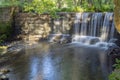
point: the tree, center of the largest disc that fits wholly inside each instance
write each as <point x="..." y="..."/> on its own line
<point x="117" y="14"/>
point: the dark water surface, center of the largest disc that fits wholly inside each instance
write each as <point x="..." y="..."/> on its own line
<point x="60" y="62"/>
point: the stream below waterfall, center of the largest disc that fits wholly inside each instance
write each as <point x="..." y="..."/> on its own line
<point x="48" y="61"/>
<point x="84" y="57"/>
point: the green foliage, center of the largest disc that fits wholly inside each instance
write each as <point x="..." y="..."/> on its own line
<point x="72" y="9"/>
<point x="5" y="31"/>
<point x="117" y="65"/>
<point x="40" y="6"/>
<point x="5" y="27"/>
<point x="78" y="9"/>
<point x="115" y="75"/>
<point x="107" y="7"/>
<point x="7" y="3"/>
<point x="3" y="37"/>
<point x="53" y="6"/>
<point x="98" y="5"/>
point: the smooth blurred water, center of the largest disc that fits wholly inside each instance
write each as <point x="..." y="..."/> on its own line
<point x="94" y="24"/>
<point x="47" y="61"/>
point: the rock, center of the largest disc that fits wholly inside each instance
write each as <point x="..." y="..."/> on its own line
<point x="60" y="38"/>
<point x="4" y="71"/>
<point x="112" y="40"/>
<point x="65" y="40"/>
<point x="114" y="50"/>
<point x="56" y="38"/>
<point x="3" y="77"/>
<point x="94" y="40"/>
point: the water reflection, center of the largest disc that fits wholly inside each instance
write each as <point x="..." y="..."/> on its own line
<point x="48" y="68"/>
<point x="60" y="62"/>
<point x="34" y="67"/>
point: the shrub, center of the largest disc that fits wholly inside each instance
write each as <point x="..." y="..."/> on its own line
<point x="115" y="75"/>
<point x="5" y="31"/>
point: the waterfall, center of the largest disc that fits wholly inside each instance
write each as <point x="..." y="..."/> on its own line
<point x="84" y="25"/>
<point x="88" y="28"/>
<point x="107" y="27"/>
<point x="77" y="23"/>
<point x="95" y="26"/>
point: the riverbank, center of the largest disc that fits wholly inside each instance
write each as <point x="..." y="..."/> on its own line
<point x="10" y="51"/>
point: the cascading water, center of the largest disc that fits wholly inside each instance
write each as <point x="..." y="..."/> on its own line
<point x="107" y="27"/>
<point x="77" y="23"/>
<point x="95" y="27"/>
<point x="84" y="18"/>
<point x="95" y="24"/>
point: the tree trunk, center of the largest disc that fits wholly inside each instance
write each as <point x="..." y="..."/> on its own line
<point x="117" y="14"/>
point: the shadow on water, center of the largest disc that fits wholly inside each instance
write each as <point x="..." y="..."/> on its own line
<point x="60" y="62"/>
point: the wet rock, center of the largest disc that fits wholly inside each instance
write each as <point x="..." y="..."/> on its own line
<point x="4" y="71"/>
<point x="16" y="46"/>
<point x="94" y="40"/>
<point x="112" y="40"/>
<point x="65" y="40"/>
<point x="3" y="77"/>
<point x="114" y="50"/>
<point x="56" y="38"/>
<point x="60" y="38"/>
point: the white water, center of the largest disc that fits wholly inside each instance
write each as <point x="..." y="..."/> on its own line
<point x="93" y="28"/>
<point x="107" y="27"/>
<point x="77" y="23"/>
<point x="96" y="24"/>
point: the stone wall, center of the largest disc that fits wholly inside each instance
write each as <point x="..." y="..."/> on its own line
<point x="34" y="27"/>
<point x="63" y="24"/>
<point x="5" y="23"/>
<point x="5" y="14"/>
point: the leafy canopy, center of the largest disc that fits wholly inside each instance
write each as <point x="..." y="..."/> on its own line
<point x="53" y="6"/>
